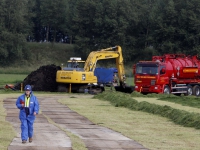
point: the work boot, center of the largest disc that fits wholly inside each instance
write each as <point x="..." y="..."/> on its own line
<point x="23" y="141"/>
<point x="30" y="140"/>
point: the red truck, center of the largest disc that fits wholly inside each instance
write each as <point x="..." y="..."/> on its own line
<point x="170" y="73"/>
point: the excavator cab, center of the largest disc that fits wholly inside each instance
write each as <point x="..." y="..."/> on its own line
<point x="75" y="63"/>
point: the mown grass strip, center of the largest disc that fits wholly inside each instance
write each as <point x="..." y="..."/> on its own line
<point x="138" y="94"/>
<point x="180" y="117"/>
<point x="191" y="101"/>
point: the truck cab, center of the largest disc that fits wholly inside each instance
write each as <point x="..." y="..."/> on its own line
<point x="150" y="77"/>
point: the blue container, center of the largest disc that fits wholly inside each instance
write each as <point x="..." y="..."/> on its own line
<point x="105" y="75"/>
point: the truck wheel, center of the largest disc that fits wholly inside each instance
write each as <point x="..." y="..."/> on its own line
<point x="166" y="90"/>
<point x="196" y="90"/>
<point x="189" y="90"/>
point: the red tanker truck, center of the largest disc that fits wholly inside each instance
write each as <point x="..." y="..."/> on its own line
<point x="170" y="73"/>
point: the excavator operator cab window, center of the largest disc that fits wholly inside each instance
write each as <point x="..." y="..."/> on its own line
<point x="69" y="65"/>
<point x="72" y="64"/>
<point x="76" y="65"/>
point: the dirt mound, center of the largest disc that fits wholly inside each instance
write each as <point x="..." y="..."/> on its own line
<point x="43" y="79"/>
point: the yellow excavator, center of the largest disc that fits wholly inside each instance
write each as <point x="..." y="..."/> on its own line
<point x="80" y="80"/>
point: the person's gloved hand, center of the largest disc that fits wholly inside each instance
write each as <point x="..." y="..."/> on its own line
<point x="22" y="103"/>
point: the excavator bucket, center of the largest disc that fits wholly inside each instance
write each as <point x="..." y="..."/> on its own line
<point x="125" y="89"/>
<point x="9" y="86"/>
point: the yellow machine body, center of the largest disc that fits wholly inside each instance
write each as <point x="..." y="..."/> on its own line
<point x="77" y="79"/>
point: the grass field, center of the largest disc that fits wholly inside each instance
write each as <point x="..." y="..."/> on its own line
<point x="148" y="128"/>
<point x="151" y="130"/>
<point x="11" y="79"/>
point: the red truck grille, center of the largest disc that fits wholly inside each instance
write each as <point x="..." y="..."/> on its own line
<point x="145" y="89"/>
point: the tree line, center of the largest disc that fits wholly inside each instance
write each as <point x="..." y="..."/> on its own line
<point x="142" y="27"/>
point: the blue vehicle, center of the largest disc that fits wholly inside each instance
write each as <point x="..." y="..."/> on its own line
<point x="106" y="76"/>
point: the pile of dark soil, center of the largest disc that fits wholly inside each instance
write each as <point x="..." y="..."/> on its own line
<point x="43" y="79"/>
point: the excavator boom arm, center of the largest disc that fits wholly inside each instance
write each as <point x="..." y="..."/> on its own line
<point x="108" y="53"/>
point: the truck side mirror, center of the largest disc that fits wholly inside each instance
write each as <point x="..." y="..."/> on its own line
<point x="163" y="71"/>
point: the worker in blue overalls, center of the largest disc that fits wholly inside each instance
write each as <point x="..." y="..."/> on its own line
<point x="29" y="107"/>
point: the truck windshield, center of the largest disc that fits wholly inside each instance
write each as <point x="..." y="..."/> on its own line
<point x="147" y="69"/>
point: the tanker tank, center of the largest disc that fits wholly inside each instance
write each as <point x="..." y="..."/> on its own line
<point x="181" y="67"/>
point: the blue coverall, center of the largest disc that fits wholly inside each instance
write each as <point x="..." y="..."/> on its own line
<point x="27" y="120"/>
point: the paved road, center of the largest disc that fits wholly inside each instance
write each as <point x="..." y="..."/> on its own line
<point x="47" y="136"/>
